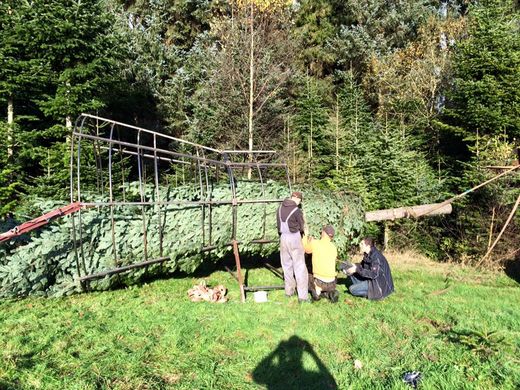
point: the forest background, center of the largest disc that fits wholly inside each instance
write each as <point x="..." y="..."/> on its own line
<point x="401" y="102"/>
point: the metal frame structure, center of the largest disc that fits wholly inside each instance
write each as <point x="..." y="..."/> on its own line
<point x="103" y="141"/>
<point x="106" y="144"/>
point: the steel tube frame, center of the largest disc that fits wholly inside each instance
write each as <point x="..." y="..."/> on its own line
<point x="111" y="196"/>
<point x="158" y="196"/>
<point x="150" y="156"/>
<point x="201" y="164"/>
<point x="149" y="148"/>
<point x="142" y="195"/>
<point x="122" y="269"/>
<point x="183" y="202"/>
<point x="148" y="132"/>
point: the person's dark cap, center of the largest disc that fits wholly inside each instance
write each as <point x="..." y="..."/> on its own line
<point x="297" y="194"/>
<point x="329" y="230"/>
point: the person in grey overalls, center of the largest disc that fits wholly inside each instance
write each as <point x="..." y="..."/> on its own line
<point x="292" y="256"/>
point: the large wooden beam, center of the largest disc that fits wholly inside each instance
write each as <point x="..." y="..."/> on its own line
<point x="408" y="212"/>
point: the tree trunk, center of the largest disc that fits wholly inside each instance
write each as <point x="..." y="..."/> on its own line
<point x="386" y="239"/>
<point x="10" y="127"/>
<point x="406" y="212"/>
<point x="337" y="134"/>
<point x="310" y="150"/>
<point x="48" y="163"/>
<point x="68" y="122"/>
<point x="251" y="85"/>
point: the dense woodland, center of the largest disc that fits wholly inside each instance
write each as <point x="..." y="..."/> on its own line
<point x="400" y="102"/>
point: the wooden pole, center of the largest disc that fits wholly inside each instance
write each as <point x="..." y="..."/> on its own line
<point x="239" y="271"/>
<point x="337" y="134"/>
<point x="501" y="231"/>
<point x="386" y="239"/>
<point x="491" y="228"/>
<point x="449" y="201"/>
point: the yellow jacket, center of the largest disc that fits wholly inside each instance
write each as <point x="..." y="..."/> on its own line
<point x="324" y="254"/>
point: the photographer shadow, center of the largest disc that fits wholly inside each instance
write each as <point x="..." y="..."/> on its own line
<point x="284" y="369"/>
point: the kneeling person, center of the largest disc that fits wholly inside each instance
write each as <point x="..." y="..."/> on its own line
<point x="371" y="278"/>
<point x="322" y="282"/>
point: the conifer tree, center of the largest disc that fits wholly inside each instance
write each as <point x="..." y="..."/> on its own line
<point x="310" y="123"/>
<point x="375" y="27"/>
<point x="76" y="43"/>
<point x="378" y="157"/>
<point x="22" y="76"/>
<point x="485" y="98"/>
<point x="353" y="131"/>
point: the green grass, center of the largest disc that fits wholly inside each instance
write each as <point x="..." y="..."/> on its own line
<point x="460" y="328"/>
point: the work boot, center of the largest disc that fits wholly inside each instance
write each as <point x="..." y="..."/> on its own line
<point x="334" y="296"/>
<point x="314" y="295"/>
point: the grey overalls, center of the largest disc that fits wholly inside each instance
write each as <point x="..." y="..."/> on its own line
<point x="292" y="257"/>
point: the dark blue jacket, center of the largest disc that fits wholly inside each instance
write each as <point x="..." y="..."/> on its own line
<point x="375" y="269"/>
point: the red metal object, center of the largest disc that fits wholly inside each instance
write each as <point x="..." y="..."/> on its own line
<point x="40" y="221"/>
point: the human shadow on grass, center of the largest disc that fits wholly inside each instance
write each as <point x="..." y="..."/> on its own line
<point x="284" y="369"/>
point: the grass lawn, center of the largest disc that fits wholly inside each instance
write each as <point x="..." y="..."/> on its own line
<point x="460" y="328"/>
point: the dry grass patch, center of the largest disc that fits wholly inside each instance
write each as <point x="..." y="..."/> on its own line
<point x="406" y="261"/>
<point x="412" y="261"/>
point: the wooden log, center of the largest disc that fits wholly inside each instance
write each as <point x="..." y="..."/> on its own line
<point x="408" y="212"/>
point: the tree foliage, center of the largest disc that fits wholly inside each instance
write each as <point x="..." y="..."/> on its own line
<point x="481" y="127"/>
<point x="247" y="87"/>
<point x="485" y="99"/>
<point x="399" y="102"/>
<point x="309" y="123"/>
<point x="47" y="265"/>
<point x="376" y="27"/>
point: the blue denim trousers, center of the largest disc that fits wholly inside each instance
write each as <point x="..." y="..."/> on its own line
<point x="359" y="288"/>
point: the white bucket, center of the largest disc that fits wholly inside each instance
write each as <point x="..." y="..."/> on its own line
<point x="260" y="296"/>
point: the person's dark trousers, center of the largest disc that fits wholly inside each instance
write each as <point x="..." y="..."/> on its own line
<point x="328" y="289"/>
<point x="359" y="288"/>
<point x="312" y="289"/>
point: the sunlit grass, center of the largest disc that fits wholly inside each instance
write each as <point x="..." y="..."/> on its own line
<point x="459" y="327"/>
